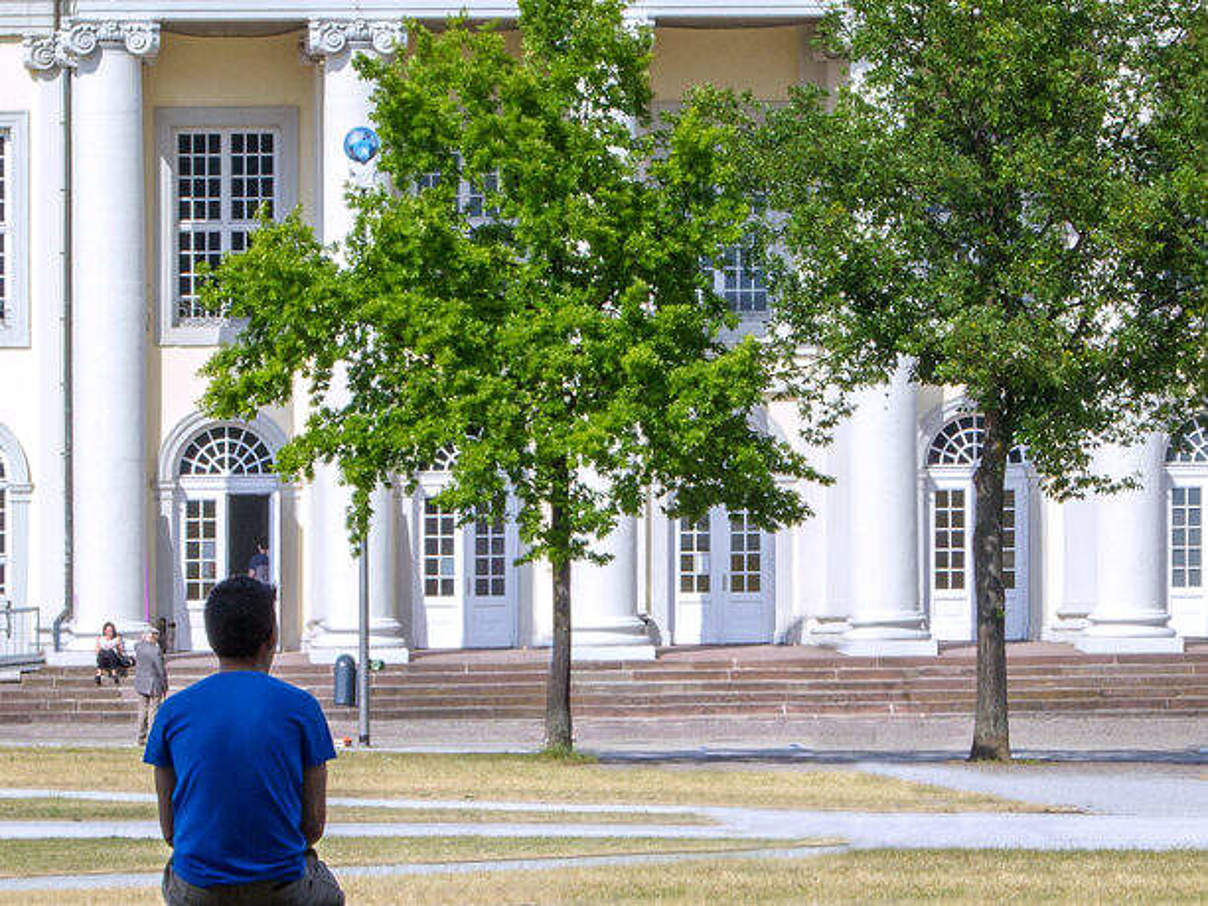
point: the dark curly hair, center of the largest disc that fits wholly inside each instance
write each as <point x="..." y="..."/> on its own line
<point x="240" y="616"/>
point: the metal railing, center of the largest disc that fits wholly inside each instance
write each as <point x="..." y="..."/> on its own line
<point x="20" y="633"/>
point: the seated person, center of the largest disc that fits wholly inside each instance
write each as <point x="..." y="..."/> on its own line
<point x="110" y="655"/>
<point x="241" y="770"/>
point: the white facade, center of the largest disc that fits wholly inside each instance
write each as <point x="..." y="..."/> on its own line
<point x="183" y="119"/>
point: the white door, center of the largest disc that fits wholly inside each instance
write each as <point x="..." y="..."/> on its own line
<point x="749" y="611"/>
<point x="694" y="583"/>
<point x="952" y="586"/>
<point x="950" y="561"/>
<point x="490" y="584"/>
<point x="723" y="581"/>
<point x="441" y="579"/>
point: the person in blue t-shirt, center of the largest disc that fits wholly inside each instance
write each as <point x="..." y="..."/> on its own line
<point x="241" y="770"/>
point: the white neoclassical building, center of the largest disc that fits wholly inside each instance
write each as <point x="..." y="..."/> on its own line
<point x="137" y="140"/>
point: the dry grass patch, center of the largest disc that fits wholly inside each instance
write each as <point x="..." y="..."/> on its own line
<point x="534" y="778"/>
<point x="970" y="878"/>
<point x="529" y="778"/>
<point x="951" y="877"/>
<point x="116" y="855"/>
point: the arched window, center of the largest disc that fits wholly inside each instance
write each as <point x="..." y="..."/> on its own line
<point x="443" y="460"/>
<point x="1192" y="447"/>
<point x="959" y="443"/>
<point x="1187" y="467"/>
<point x="226" y="450"/>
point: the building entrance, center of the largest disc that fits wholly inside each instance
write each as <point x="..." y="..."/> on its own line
<point x="247" y="528"/>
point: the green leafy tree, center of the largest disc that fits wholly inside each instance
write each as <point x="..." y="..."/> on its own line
<point x="557" y="329"/>
<point x="1003" y="197"/>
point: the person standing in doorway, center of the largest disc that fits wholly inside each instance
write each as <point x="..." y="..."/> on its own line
<point x="150" y="681"/>
<point x="258" y="565"/>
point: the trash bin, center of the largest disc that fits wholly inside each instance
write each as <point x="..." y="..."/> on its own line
<point x="345" y="671"/>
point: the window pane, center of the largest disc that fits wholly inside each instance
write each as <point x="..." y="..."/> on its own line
<point x="1186" y="538"/>
<point x="948" y="544"/>
<point x="439" y="563"/>
<point x="693" y="555"/>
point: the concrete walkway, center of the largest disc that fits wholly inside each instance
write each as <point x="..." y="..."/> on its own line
<point x="841" y="740"/>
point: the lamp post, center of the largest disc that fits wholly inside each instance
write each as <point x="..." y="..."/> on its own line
<point x="361" y="146"/>
<point x="363" y="652"/>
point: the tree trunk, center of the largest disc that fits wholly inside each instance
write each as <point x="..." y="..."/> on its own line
<point x="558" y="728"/>
<point x="991" y="737"/>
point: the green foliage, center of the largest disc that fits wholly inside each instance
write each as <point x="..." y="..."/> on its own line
<point x="569" y="333"/>
<point x="1013" y="196"/>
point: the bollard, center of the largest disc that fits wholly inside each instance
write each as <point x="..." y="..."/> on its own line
<point x="345" y="671"/>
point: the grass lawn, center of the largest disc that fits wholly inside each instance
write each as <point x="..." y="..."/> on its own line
<point x="90" y="810"/>
<point x="535" y="778"/>
<point x="900" y="877"/>
<point x="26" y="858"/>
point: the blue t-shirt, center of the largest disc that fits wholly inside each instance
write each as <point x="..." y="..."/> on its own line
<point x="238" y="742"/>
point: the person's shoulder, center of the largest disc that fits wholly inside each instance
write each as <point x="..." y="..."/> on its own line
<point x="292" y="695"/>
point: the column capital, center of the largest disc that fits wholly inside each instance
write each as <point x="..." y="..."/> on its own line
<point x="333" y="36"/>
<point x="68" y="46"/>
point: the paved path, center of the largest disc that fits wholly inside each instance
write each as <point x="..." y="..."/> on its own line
<point x="1154" y="791"/>
<point x="840" y="739"/>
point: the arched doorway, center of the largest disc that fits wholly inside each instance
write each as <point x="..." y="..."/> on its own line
<point x="222" y="503"/>
<point x="952" y="456"/>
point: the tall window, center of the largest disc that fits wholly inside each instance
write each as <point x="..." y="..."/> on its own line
<point x="224" y="177"/>
<point x="218" y="168"/>
<point x="742" y="282"/>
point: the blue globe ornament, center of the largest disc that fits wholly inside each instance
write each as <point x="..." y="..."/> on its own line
<point x="362" y="144"/>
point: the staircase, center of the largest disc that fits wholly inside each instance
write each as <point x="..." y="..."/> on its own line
<point x="757" y="682"/>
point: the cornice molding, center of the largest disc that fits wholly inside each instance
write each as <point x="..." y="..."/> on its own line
<point x="70" y="45"/>
<point x="334" y="36"/>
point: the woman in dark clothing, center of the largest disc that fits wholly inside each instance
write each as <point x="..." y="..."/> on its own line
<point x="110" y="655"/>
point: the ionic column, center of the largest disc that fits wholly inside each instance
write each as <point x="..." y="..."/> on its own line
<point x="887" y="617"/>
<point x="334" y="574"/>
<point x="1130" y="612"/>
<point x="110" y="329"/>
